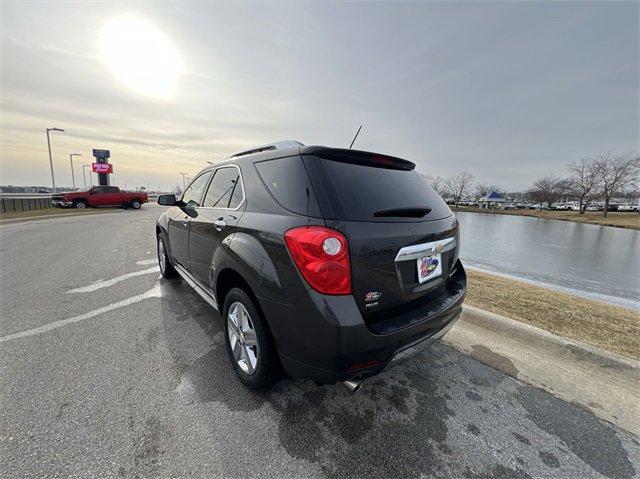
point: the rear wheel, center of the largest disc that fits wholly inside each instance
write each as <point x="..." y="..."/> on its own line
<point x="249" y="344"/>
<point x="166" y="268"/>
<point x="80" y="204"/>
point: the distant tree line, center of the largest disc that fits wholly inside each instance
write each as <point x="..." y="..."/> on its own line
<point x="587" y="180"/>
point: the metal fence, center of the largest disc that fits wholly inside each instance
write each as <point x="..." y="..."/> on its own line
<point x="9" y="205"/>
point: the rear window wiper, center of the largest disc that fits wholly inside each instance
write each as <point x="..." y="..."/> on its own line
<point x="402" y="212"/>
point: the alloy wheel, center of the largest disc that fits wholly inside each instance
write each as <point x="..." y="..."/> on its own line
<point x="162" y="256"/>
<point x="242" y="338"/>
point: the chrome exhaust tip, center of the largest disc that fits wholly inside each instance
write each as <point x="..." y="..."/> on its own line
<point x="353" y="385"/>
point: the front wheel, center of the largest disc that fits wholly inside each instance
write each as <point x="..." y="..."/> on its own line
<point x="81" y="204"/>
<point x="166" y="268"/>
<point x="249" y="344"/>
<point x="135" y="204"/>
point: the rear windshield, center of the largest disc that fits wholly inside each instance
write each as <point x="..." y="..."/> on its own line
<point x="355" y="192"/>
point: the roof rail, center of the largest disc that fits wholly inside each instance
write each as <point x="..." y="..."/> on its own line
<point x="276" y="145"/>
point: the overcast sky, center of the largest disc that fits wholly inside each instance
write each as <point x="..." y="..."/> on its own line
<point x="508" y="91"/>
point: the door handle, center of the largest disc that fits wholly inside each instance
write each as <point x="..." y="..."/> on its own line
<point x="219" y="224"/>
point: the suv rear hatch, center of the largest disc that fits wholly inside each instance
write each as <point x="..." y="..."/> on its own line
<point x="396" y="225"/>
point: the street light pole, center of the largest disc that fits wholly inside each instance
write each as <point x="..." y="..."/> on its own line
<point x="53" y="180"/>
<point x="73" y="176"/>
<point x="83" y="177"/>
<point x="183" y="180"/>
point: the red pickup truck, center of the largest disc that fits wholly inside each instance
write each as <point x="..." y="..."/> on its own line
<point x="100" y="196"/>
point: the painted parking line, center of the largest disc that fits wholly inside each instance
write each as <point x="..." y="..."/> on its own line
<point x="147" y="261"/>
<point x="110" y="282"/>
<point x="152" y="293"/>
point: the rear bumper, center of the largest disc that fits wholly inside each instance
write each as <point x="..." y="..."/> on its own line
<point x="326" y="339"/>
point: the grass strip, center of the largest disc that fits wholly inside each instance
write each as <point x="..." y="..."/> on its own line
<point x="609" y="327"/>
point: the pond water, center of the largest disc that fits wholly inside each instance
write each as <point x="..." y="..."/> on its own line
<point x="598" y="262"/>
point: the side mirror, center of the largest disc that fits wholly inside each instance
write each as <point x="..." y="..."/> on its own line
<point x="167" y="200"/>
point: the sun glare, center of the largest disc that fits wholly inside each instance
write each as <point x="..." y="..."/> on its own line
<point x="139" y="55"/>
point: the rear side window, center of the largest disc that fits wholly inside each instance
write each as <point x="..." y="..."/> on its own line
<point x="225" y="190"/>
<point x="287" y="180"/>
<point x="357" y="192"/>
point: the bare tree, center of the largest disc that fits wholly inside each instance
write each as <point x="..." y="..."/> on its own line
<point x="437" y="183"/>
<point x="545" y="190"/>
<point x="563" y="188"/>
<point x="631" y="193"/>
<point x="458" y="185"/>
<point x="584" y="180"/>
<point x="616" y="172"/>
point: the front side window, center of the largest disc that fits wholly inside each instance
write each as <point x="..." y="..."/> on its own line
<point x="225" y="190"/>
<point x="193" y="194"/>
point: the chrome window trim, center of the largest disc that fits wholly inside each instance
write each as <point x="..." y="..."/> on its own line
<point x="425" y="249"/>
<point x="244" y="196"/>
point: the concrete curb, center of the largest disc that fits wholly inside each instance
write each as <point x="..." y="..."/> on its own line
<point x="534" y="334"/>
<point x="601" y="382"/>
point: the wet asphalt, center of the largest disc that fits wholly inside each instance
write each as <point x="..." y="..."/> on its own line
<point x="130" y="378"/>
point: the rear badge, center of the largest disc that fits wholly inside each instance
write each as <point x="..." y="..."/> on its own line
<point x="371" y="298"/>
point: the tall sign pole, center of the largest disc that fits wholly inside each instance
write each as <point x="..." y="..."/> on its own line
<point x="102" y="166"/>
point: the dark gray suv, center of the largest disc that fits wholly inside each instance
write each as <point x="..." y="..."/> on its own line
<point x="329" y="263"/>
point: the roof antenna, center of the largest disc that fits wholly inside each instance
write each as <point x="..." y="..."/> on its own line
<point x="354" y="138"/>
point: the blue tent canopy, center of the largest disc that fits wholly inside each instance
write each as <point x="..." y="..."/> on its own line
<point x="494" y="195"/>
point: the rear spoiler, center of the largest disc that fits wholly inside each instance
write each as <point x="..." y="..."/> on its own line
<point x="358" y="157"/>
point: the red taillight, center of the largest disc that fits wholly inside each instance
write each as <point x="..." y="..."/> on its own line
<point x="322" y="257"/>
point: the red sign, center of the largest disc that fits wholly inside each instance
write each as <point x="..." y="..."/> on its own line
<point x="102" y="167"/>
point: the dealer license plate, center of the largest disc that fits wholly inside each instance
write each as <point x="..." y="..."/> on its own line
<point x="429" y="267"/>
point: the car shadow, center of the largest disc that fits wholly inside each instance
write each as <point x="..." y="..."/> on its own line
<point x="412" y="420"/>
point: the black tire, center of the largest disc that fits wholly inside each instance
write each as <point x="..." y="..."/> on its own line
<point x="167" y="271"/>
<point x="267" y="369"/>
<point x="80" y="204"/>
<point x="136" y="205"/>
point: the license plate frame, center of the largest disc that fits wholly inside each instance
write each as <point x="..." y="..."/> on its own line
<point x="429" y="267"/>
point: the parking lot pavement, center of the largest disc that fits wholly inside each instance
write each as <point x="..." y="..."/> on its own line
<point x="108" y="370"/>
